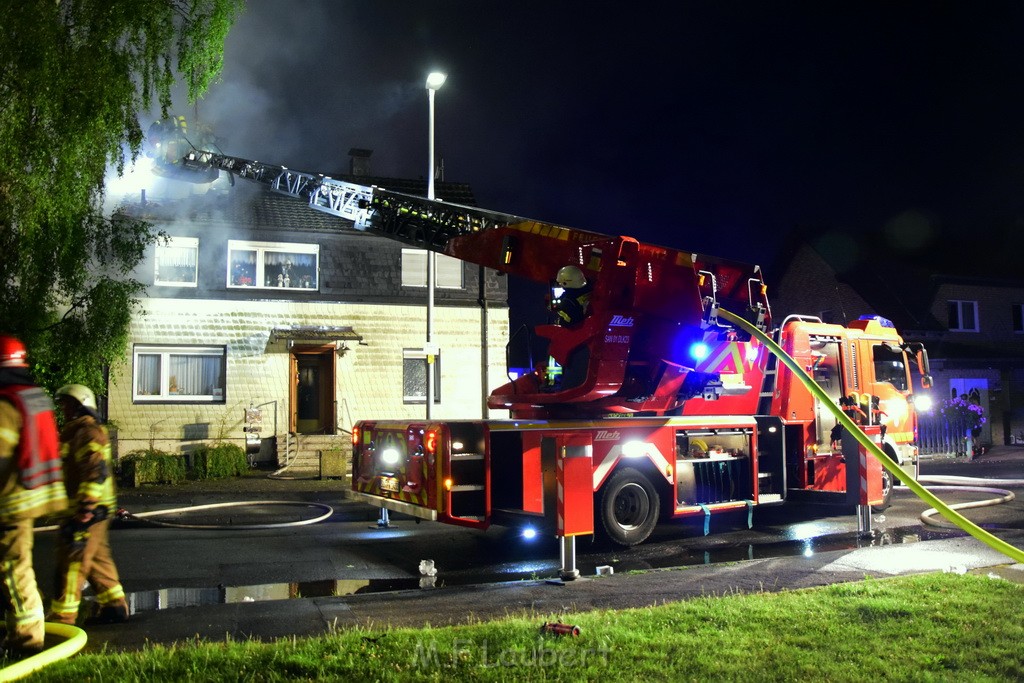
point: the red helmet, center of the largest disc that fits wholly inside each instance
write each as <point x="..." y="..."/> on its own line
<point x="12" y="352"/>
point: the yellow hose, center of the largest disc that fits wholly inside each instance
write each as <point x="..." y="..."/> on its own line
<point x="862" y="438"/>
<point x="74" y="640"/>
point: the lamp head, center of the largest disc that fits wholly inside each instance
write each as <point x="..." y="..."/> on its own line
<point x="435" y="80"/>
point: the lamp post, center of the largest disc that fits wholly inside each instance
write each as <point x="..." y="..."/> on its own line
<point x="434" y="81"/>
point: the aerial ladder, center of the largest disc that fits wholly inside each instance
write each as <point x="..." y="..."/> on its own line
<point x="652" y="323"/>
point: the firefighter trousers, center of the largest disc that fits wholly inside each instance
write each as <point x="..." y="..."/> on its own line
<point x="85" y="557"/>
<point x="22" y="603"/>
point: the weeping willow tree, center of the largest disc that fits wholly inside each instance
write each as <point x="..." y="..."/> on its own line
<point x="74" y="77"/>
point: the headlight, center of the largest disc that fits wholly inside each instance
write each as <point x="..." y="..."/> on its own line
<point x="922" y="402"/>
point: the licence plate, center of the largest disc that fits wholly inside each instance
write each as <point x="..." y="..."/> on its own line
<point x="389" y="484"/>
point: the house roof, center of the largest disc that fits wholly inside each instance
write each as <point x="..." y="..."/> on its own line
<point x="254" y="204"/>
<point x="898" y="285"/>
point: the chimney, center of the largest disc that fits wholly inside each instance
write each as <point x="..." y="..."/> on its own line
<point x="359" y="161"/>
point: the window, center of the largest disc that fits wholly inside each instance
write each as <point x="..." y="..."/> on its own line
<point x="963" y="316"/>
<point x="273" y="265"/>
<point x="176" y="262"/>
<point x="447" y="270"/>
<point x="1017" y="310"/>
<point x="184" y="374"/>
<point x="414" y="376"/>
<point x="890" y="366"/>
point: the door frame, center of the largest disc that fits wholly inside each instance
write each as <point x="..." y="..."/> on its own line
<point x="327" y="354"/>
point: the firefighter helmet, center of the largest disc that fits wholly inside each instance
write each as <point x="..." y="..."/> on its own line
<point x="80" y="393"/>
<point x="570" y="277"/>
<point x="12" y="352"/>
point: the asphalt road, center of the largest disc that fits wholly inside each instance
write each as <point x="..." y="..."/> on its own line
<point x="349" y="547"/>
<point x="165" y="568"/>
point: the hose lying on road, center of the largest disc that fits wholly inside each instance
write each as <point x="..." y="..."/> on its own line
<point x="124" y="514"/>
<point x="967" y="485"/>
<point x="328" y="511"/>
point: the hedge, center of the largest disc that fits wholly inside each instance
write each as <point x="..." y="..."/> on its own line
<point x="218" y="461"/>
<point x="153" y="466"/>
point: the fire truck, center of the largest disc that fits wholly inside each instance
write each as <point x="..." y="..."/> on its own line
<point x="673" y="411"/>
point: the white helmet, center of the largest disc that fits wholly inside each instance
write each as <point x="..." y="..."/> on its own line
<point x="570" y="277"/>
<point x="80" y="393"/>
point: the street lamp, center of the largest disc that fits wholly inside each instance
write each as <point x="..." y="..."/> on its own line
<point x="434" y="81"/>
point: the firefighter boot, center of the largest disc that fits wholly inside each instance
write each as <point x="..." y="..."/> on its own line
<point x="113" y="613"/>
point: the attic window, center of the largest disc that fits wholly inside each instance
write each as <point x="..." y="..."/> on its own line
<point x="447" y="270"/>
<point x="963" y="316"/>
<point x="273" y="265"/>
<point x="175" y="262"/>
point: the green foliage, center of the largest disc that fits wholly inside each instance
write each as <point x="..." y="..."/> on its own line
<point x="936" y="627"/>
<point x="151" y="466"/>
<point x="218" y="461"/>
<point x="74" y="77"/>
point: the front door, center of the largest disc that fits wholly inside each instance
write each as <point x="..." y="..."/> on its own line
<point x="312" y="389"/>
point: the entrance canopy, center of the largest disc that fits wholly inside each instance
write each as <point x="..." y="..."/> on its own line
<point x="320" y="333"/>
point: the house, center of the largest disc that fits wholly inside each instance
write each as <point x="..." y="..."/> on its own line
<point x="274" y="326"/>
<point x="972" y="325"/>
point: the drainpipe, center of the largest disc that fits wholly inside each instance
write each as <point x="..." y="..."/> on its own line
<point x="484" y="351"/>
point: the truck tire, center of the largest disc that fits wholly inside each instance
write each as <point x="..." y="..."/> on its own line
<point x="629" y="507"/>
<point x="888" y="481"/>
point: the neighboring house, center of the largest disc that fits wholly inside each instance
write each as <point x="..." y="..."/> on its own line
<point x="973" y="327"/>
<point x="266" y="320"/>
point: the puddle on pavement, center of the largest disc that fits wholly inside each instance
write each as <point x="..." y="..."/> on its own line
<point x="533" y="569"/>
<point x="170" y="598"/>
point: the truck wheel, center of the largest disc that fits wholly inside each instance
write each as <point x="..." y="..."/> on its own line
<point x="629" y="507"/>
<point x="888" y="481"/>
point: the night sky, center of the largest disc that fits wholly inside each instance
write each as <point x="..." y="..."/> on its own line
<point x="711" y="126"/>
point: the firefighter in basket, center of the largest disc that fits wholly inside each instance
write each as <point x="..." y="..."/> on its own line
<point x="31" y="486"/>
<point x="573" y="303"/>
<point x="83" y="546"/>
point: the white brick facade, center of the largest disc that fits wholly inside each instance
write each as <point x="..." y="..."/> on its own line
<point x="368" y="373"/>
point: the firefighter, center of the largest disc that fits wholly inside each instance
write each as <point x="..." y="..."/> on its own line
<point x="31" y="486"/>
<point x="83" y="547"/>
<point x="573" y="304"/>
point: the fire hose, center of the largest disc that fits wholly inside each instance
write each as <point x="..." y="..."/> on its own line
<point x="967" y="485"/>
<point x="74" y="640"/>
<point x="864" y="440"/>
<point x="125" y="515"/>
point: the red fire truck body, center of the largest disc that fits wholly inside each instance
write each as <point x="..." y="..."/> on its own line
<point x="677" y="413"/>
<point x="649" y="407"/>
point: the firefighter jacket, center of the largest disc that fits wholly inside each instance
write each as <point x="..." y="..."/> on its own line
<point x="88" y="466"/>
<point x="572" y="306"/>
<point x="31" y="482"/>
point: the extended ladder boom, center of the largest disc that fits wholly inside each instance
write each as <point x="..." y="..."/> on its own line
<point x="323" y="193"/>
<point x="424" y="223"/>
<point x="648" y="305"/>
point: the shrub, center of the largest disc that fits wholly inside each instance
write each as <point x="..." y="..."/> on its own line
<point x="218" y="461"/>
<point x="151" y="466"/>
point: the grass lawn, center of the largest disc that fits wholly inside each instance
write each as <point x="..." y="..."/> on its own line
<point x="935" y="627"/>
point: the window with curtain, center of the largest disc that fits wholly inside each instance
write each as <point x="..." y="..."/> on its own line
<point x="183" y="374"/>
<point x="447" y="270"/>
<point x="176" y="262"/>
<point x="273" y="265"/>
